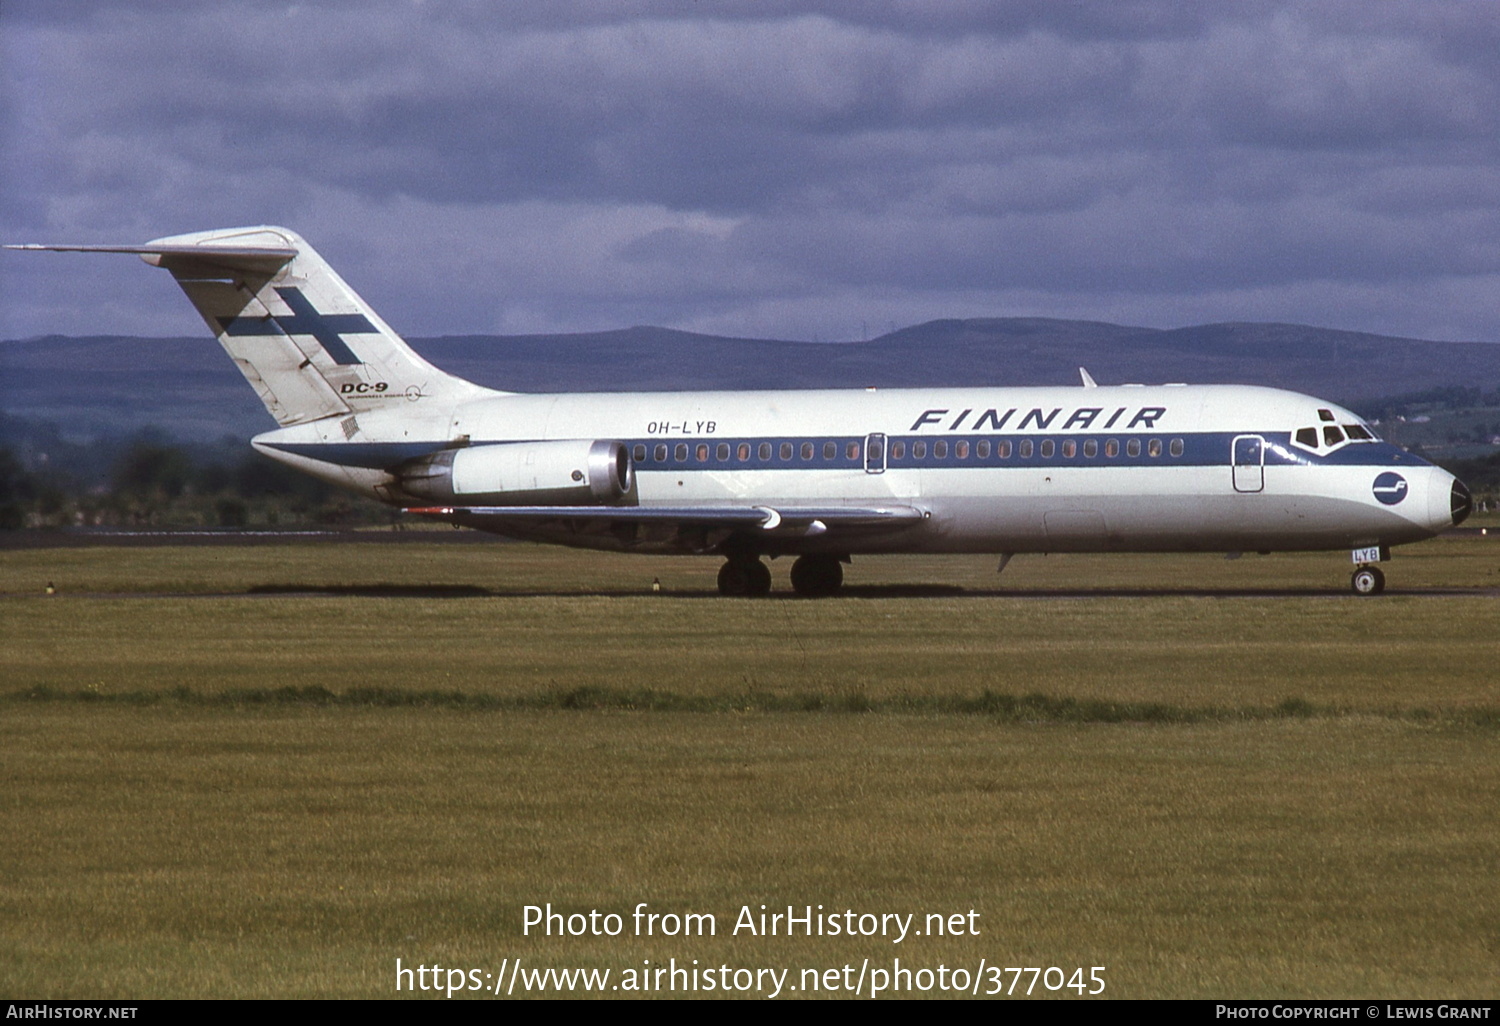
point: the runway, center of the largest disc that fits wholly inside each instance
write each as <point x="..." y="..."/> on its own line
<point x="422" y="563"/>
<point x="84" y="537"/>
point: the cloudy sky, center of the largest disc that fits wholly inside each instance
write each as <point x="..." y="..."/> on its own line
<point x="764" y="168"/>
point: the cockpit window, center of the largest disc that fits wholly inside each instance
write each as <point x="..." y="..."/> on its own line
<point x="1332" y="435"/>
<point x="1325" y="415"/>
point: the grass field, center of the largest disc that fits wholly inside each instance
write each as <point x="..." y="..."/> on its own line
<point x="274" y="770"/>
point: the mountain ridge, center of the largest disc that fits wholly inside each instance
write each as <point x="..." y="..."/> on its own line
<point x="188" y="385"/>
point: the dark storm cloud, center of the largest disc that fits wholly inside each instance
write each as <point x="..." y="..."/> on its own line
<point x="780" y="168"/>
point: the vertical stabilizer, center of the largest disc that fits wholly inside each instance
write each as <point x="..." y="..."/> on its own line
<point x="306" y="341"/>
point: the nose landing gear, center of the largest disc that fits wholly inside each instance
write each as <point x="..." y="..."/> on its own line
<point x="1367" y="580"/>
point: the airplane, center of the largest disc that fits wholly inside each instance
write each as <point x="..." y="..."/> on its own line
<point x="818" y="475"/>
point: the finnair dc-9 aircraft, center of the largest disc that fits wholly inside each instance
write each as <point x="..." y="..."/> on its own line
<point x="817" y="475"/>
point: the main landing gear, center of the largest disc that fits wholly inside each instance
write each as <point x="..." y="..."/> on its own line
<point x="817" y="576"/>
<point x="744" y="577"/>
<point x="812" y="577"/>
<point x="1367" y="580"/>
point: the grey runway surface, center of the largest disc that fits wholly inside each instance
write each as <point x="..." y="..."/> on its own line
<point x="85" y="537"/>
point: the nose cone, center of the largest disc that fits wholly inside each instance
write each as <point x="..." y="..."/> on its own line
<point x="1448" y="501"/>
<point x="1460" y="502"/>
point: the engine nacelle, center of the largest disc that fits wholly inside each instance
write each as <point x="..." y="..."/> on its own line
<point x="575" y="472"/>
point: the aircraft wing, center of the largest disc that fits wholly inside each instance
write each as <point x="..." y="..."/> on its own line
<point x="801" y="519"/>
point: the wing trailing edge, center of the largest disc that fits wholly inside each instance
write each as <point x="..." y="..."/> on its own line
<point x="750" y="517"/>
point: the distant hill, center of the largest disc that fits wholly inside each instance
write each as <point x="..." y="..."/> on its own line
<point x="1002" y="351"/>
<point x="189" y="387"/>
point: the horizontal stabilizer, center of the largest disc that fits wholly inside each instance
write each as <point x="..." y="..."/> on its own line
<point x="265" y="259"/>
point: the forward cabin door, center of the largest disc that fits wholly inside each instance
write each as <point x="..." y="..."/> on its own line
<point x="875" y="454"/>
<point x="1249" y="460"/>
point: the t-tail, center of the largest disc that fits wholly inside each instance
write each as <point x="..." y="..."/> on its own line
<point x="305" y="340"/>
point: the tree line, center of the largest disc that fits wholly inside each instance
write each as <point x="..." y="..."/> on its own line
<point x="149" y="480"/>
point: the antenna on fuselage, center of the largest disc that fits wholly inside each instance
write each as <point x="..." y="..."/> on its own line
<point x="1088" y="382"/>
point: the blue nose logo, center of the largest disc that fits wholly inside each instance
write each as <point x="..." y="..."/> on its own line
<point x="1390" y="488"/>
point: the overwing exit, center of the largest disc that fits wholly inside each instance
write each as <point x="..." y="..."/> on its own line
<point x="819" y="476"/>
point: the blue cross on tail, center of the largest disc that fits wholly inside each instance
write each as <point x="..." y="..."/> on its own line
<point x="326" y="328"/>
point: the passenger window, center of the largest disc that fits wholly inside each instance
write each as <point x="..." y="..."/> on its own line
<point x="1133" y="447"/>
<point x="851" y="451"/>
<point x="1177" y="447"/>
<point x="1153" y="448"/>
<point x="660" y="454"/>
<point x="1112" y="448"/>
<point x="702" y="454"/>
<point x="1307" y="437"/>
<point x="939" y="450"/>
<point x="982" y="450"/>
<point x="807" y="450"/>
<point x="1070" y="449"/>
<point x="1025" y="449"/>
<point x="639" y="453"/>
<point x="1003" y="450"/>
<point x="898" y="450"/>
<point x="722" y="452"/>
<point x="764" y="452"/>
<point x="1091" y="448"/>
<point x="961" y="450"/>
<point x="786" y="451"/>
<point x="830" y="450"/>
<point x="742" y="452"/>
<point x="1048" y="447"/>
<point x="1332" y="436"/>
<point x="681" y="452"/>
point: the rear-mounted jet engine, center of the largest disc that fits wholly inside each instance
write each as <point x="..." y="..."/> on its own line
<point x="566" y="473"/>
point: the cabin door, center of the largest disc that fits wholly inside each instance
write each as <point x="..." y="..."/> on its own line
<point x="1249" y="460"/>
<point x="875" y="454"/>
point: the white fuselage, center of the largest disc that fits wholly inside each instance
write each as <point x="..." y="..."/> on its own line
<point x="1123" y="468"/>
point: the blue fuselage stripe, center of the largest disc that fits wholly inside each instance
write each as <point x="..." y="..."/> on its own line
<point x="910" y="452"/>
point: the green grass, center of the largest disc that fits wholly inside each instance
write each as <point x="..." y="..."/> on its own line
<point x="1199" y="653"/>
<point x="500" y="568"/>
<point x="1217" y="779"/>
<point x="273" y="853"/>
